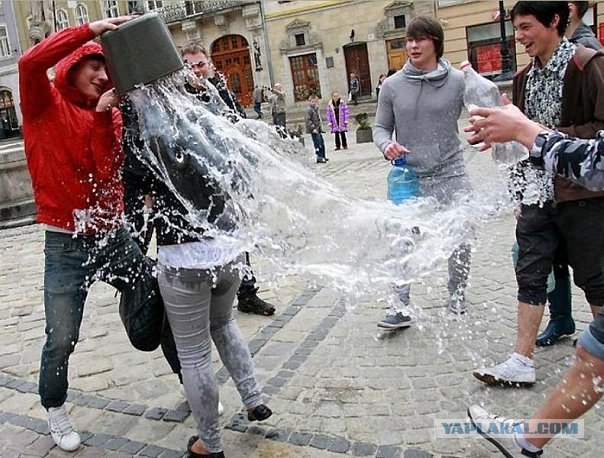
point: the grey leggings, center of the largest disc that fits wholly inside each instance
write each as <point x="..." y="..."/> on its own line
<point x="199" y="305"/>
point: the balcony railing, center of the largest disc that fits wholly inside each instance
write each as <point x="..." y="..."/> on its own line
<point x="188" y="9"/>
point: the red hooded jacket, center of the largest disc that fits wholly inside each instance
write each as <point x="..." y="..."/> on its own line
<point x="74" y="153"/>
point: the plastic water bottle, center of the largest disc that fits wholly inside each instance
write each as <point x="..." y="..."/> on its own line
<point x="479" y="91"/>
<point x="403" y="183"/>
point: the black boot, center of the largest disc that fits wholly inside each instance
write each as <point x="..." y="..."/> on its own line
<point x="557" y="328"/>
<point x="561" y="322"/>
<point x="259" y="413"/>
<point x="249" y="302"/>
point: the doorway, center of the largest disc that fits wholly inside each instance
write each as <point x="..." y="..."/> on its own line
<point x="231" y="57"/>
<point x="357" y="62"/>
<point x="397" y="53"/>
<point x="8" y="117"/>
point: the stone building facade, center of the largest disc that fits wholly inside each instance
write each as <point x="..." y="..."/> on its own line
<point x="315" y="46"/>
<point x="10" y="50"/>
<point x="232" y="31"/>
<point x="308" y="46"/>
<point x="473" y="32"/>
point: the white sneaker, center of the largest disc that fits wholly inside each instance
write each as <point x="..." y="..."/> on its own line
<point x="510" y="372"/>
<point x="62" y="430"/>
<point x="484" y="423"/>
<point x="220" y="408"/>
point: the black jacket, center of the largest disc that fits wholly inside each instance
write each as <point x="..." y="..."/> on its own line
<point x="225" y="94"/>
<point x="175" y="221"/>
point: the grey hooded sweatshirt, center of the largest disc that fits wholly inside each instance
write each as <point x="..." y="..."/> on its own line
<point x="583" y="35"/>
<point x="422" y="108"/>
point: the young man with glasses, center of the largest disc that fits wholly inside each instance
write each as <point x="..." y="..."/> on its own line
<point x="196" y="56"/>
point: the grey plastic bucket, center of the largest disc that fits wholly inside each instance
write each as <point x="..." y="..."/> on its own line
<point x="140" y="51"/>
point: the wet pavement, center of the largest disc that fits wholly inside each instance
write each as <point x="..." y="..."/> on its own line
<point x="338" y="387"/>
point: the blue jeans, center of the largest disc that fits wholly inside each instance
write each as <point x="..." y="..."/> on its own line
<point x="258" y="109"/>
<point x="317" y="140"/>
<point x="72" y="265"/>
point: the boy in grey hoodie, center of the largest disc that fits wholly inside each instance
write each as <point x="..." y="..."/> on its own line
<point x="577" y="31"/>
<point x="422" y="104"/>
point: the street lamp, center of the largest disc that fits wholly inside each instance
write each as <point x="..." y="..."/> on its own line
<point x="506" y="57"/>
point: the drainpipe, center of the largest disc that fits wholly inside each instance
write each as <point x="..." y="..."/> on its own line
<point x="54" y="15"/>
<point x="267" y="49"/>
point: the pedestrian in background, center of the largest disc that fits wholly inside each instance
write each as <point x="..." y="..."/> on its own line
<point x="337" y="119"/>
<point x="314" y="128"/>
<point x="577" y="31"/>
<point x="197" y="56"/>
<point x="277" y="100"/>
<point x="381" y="79"/>
<point x="354" y="87"/>
<point x="257" y="99"/>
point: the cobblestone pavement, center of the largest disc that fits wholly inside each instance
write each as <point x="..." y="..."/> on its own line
<point x="337" y="386"/>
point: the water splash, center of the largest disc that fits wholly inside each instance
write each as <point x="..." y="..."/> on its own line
<point x="296" y="220"/>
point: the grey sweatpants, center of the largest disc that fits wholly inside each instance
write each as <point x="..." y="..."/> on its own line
<point x="443" y="189"/>
<point x="459" y="272"/>
<point x="199" y="306"/>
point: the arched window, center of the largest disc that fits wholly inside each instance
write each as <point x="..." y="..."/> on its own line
<point x="62" y="20"/>
<point x="110" y="8"/>
<point x="9" y="125"/>
<point x="81" y="14"/>
<point x="6" y="99"/>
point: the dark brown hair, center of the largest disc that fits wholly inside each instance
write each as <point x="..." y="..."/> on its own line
<point x="544" y="12"/>
<point x="582" y="8"/>
<point x="426" y="26"/>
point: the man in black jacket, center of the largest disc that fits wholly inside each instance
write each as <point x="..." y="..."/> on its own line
<point x="196" y="56"/>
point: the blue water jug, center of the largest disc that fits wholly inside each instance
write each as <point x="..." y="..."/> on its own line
<point x="403" y="183"/>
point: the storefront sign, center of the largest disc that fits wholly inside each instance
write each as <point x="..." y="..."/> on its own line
<point x="488" y="59"/>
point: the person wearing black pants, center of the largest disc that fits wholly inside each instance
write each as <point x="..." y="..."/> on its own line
<point x="197" y="57"/>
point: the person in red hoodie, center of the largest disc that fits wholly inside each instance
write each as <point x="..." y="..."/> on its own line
<point x="72" y="132"/>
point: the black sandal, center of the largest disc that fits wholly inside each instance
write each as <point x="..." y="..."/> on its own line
<point x="192" y="454"/>
<point x="259" y="413"/>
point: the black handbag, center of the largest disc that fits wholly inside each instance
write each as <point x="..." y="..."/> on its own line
<point x="142" y="310"/>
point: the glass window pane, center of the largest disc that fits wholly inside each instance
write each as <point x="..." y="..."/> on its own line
<point x="4" y="42"/>
<point x="305" y="75"/>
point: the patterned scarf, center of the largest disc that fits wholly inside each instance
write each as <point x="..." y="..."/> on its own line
<point x="543" y="101"/>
